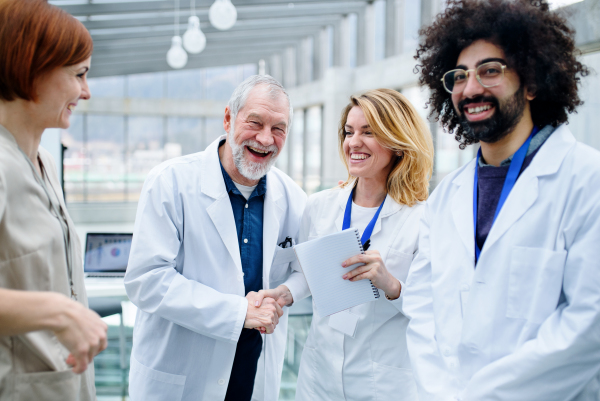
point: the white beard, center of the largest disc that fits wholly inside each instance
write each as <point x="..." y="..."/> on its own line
<point x="249" y="169"/>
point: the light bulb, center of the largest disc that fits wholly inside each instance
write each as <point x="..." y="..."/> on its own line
<point x="222" y="14"/>
<point x="194" y="40"/>
<point x="176" y="56"/>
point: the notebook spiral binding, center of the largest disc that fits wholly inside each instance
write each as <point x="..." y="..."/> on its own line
<point x="375" y="290"/>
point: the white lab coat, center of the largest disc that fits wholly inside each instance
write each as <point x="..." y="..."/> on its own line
<point x="525" y="324"/>
<point x="185" y="276"/>
<point x="374" y="365"/>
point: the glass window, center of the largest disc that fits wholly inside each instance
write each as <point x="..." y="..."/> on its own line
<point x="187" y="133"/>
<point x="146" y="86"/>
<point x="296" y="140"/>
<point x="145" y="150"/>
<point x="105" y="163"/>
<point x="186" y="84"/>
<point x="75" y="159"/>
<point x="379" y="45"/>
<point x="313" y="151"/>
<point x="214" y="129"/>
<point x="221" y="81"/>
<point x="584" y="123"/>
<point x="107" y="86"/>
<point x="412" y="24"/>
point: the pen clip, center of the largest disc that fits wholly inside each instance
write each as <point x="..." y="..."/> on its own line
<point x="284" y="243"/>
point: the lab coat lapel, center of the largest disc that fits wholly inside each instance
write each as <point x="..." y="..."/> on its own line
<point x="462" y="207"/>
<point x="342" y="201"/>
<point x="273" y="210"/>
<point x="546" y="162"/>
<point x="220" y="211"/>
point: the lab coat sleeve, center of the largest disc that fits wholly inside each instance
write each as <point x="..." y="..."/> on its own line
<point x="154" y="284"/>
<point x="427" y="363"/>
<point x="296" y="282"/>
<point x="565" y="355"/>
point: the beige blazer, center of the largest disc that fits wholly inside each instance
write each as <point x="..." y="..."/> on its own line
<point x="33" y="257"/>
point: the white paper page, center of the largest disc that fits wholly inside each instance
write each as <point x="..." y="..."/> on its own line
<point x="321" y="261"/>
<point x="344" y="322"/>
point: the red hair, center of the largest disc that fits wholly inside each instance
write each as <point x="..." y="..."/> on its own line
<point x="35" y="38"/>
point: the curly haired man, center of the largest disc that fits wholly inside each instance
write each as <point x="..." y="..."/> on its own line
<point x="504" y="294"/>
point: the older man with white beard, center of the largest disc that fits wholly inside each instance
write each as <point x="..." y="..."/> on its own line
<point x="206" y="233"/>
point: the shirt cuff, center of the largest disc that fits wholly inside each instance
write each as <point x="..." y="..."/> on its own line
<point x="241" y="319"/>
<point x="398" y="301"/>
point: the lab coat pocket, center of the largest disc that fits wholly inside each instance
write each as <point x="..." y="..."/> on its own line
<point x="50" y="386"/>
<point x="146" y="384"/>
<point x="393" y="383"/>
<point x="398" y="263"/>
<point x="535" y="282"/>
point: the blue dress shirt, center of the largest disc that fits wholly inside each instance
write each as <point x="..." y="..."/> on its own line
<point x="248" y="215"/>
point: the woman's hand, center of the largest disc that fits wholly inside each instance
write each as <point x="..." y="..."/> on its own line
<point x="374" y="269"/>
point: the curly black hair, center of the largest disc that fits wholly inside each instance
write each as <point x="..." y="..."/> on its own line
<point x="537" y="43"/>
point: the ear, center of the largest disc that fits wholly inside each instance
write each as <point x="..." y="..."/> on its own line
<point x="529" y="95"/>
<point x="227" y="119"/>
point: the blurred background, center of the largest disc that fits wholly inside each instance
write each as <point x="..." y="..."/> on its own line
<point x="144" y="111"/>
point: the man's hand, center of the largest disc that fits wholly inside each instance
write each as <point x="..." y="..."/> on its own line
<point x="262" y="313"/>
<point x="281" y="294"/>
<point x="82" y="332"/>
<point x="373" y="269"/>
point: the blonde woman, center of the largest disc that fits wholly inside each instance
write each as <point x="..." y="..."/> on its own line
<point x="360" y="354"/>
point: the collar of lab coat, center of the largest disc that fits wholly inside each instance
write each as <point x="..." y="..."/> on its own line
<point x="213" y="185"/>
<point x="546" y="162"/>
<point x="389" y="208"/>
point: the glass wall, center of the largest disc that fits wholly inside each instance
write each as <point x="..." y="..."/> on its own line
<point x="108" y="156"/>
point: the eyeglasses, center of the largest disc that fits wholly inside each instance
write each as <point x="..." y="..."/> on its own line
<point x="488" y="75"/>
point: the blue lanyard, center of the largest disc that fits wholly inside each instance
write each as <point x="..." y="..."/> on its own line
<point x="369" y="230"/>
<point x="509" y="182"/>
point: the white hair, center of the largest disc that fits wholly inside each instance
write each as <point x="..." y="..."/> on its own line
<point x="240" y="95"/>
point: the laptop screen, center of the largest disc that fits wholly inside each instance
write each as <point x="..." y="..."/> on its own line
<point x="107" y="253"/>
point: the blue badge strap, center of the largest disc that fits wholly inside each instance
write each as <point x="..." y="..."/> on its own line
<point x="509" y="182"/>
<point x="347" y="217"/>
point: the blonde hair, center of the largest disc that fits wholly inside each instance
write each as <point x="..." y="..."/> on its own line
<point x="396" y="126"/>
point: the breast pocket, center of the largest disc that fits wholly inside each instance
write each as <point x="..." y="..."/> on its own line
<point x="535" y="282"/>
<point x="398" y="263"/>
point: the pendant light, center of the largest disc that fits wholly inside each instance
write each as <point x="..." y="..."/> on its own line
<point x="222" y="14"/>
<point x="176" y="56"/>
<point x="194" y="40"/>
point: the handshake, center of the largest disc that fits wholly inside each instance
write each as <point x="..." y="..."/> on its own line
<point x="264" y="308"/>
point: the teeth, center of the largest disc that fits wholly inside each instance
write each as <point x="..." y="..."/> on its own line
<point x="258" y="150"/>
<point x="70" y="107"/>
<point x="477" y="110"/>
<point x="355" y="156"/>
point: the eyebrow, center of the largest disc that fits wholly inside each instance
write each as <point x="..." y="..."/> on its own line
<point x="485" y="60"/>
<point x="258" y="117"/>
<point x="363" y="127"/>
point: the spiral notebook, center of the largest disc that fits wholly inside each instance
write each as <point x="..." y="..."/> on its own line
<point x="321" y="261"/>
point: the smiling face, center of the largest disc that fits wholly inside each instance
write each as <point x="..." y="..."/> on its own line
<point x="366" y="158"/>
<point x="489" y="113"/>
<point x="58" y="92"/>
<point x="258" y="133"/>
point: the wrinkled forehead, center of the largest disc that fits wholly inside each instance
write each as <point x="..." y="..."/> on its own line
<point x="263" y="98"/>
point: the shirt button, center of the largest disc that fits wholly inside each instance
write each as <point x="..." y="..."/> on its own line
<point x="246" y="206"/>
<point x="447" y="352"/>
<point x="221" y="382"/>
<point x="245" y="240"/>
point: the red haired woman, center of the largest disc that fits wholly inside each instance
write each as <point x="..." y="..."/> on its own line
<point x="47" y="333"/>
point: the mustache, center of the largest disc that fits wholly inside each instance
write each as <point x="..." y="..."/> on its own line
<point x="272" y="148"/>
<point x="478" y="99"/>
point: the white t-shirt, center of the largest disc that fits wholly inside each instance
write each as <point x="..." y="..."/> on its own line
<point x="361" y="217"/>
<point x="246" y="191"/>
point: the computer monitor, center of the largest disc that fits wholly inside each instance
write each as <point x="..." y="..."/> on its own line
<point x="106" y="254"/>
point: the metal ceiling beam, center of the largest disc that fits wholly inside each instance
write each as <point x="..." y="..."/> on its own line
<point x="161" y="65"/>
<point x="210" y="51"/>
<point x="262" y="36"/>
<point x="147" y="6"/>
<point x="259" y="12"/>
